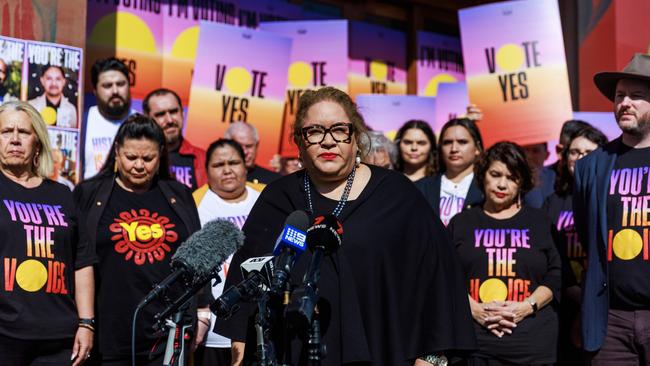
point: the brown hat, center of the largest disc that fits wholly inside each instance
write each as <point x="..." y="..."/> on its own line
<point x="638" y="68"/>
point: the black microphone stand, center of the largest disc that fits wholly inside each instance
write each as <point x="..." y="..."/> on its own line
<point x="265" y="348"/>
<point x="172" y="318"/>
<point x="316" y="350"/>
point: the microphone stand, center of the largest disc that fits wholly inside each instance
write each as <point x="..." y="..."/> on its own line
<point x="265" y="348"/>
<point x="316" y="350"/>
<point x="172" y="318"/>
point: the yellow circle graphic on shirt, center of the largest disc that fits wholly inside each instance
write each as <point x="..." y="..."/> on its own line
<point x="493" y="290"/>
<point x="577" y="268"/>
<point x="238" y="80"/>
<point x="31" y="275"/>
<point x="378" y="69"/>
<point x="49" y="115"/>
<point x="627" y="244"/>
<point x="299" y="74"/>
<point x="510" y="57"/>
<point x="432" y="87"/>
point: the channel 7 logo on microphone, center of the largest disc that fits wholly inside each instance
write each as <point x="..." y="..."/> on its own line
<point x="295" y="237"/>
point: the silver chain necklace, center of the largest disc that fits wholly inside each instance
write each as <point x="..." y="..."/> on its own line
<point x="344" y="196"/>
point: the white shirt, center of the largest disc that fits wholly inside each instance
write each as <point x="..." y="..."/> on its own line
<point x="213" y="207"/>
<point x="100" y="133"/>
<point x="452" y="197"/>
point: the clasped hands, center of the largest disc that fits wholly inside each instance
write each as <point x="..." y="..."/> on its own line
<point x="500" y="317"/>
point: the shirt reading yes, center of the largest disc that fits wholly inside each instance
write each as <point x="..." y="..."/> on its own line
<point x="628" y="225"/>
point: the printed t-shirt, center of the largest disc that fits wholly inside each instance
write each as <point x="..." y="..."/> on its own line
<point x="628" y="226"/>
<point x="100" y="133"/>
<point x="560" y="212"/>
<point x="212" y="207"/>
<point x="182" y="167"/>
<point x="136" y="237"/>
<point x="452" y="197"/>
<point x="41" y="249"/>
<point x="506" y="260"/>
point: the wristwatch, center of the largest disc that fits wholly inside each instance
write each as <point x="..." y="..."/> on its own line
<point x="533" y="304"/>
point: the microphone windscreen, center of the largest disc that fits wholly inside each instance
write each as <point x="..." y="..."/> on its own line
<point x="209" y="247"/>
<point x="299" y="220"/>
<point x="326" y="233"/>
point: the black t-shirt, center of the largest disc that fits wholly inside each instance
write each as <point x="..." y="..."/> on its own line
<point x="560" y="211"/>
<point x="257" y="174"/>
<point x="40" y="252"/>
<point x="136" y="237"/>
<point x="506" y="260"/>
<point x="182" y="167"/>
<point x="628" y="223"/>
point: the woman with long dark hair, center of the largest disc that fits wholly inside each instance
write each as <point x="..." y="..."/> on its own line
<point x="137" y="215"/>
<point x="416" y="145"/>
<point x="454" y="188"/>
<point x="559" y="208"/>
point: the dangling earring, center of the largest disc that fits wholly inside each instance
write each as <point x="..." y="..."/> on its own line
<point x="35" y="160"/>
<point x="519" y="199"/>
<point x="115" y="167"/>
<point x="357" y="159"/>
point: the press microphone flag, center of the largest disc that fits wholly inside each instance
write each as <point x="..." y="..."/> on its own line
<point x="290" y="245"/>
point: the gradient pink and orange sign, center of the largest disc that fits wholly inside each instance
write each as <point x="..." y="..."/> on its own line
<point x="439" y="60"/>
<point x="387" y="113"/>
<point x="319" y="56"/>
<point x="238" y="84"/>
<point x="451" y="102"/>
<point x="377" y="60"/>
<point x="515" y="69"/>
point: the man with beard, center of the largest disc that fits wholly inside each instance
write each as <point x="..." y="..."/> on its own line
<point x="246" y="135"/>
<point x="52" y="104"/>
<point x="187" y="161"/>
<point x="611" y="213"/>
<point x="110" y="79"/>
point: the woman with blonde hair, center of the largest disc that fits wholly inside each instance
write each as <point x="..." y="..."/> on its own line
<point x="46" y="303"/>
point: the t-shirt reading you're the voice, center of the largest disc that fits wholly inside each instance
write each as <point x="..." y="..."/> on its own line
<point x="628" y="226"/>
<point x="506" y="260"/>
<point x="39" y="254"/>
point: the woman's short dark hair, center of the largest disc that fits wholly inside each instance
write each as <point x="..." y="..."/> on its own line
<point x="564" y="179"/>
<point x="432" y="161"/>
<point x="514" y="158"/>
<point x="136" y="127"/>
<point x="328" y="93"/>
<point x="222" y="143"/>
<point x="471" y="128"/>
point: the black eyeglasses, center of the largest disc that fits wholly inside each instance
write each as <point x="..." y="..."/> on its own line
<point x="340" y="132"/>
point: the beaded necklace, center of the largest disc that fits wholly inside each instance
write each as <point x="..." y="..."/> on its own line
<point x="344" y="196"/>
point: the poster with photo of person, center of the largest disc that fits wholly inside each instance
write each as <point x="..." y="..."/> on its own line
<point x="54" y="82"/>
<point x="12" y="54"/>
<point x="65" y="155"/>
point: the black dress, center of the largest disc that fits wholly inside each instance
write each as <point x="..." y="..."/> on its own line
<point x="394" y="290"/>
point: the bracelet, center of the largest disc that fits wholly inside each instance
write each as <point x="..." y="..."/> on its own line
<point x="87" y="321"/>
<point x="89" y="327"/>
<point x="435" y="360"/>
<point x="204" y="322"/>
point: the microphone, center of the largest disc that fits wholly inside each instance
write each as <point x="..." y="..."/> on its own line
<point x="323" y="239"/>
<point x="257" y="273"/>
<point x="199" y="255"/>
<point x="288" y="248"/>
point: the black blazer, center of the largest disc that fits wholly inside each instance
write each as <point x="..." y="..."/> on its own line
<point x="92" y="195"/>
<point x="430" y="188"/>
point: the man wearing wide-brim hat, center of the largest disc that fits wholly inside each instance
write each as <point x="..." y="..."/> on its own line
<point x="612" y="216"/>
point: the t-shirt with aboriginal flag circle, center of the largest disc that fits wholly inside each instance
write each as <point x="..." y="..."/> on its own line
<point x="560" y="211"/>
<point x="40" y="251"/>
<point x="506" y="260"/>
<point x="137" y="235"/>
<point x="628" y="226"/>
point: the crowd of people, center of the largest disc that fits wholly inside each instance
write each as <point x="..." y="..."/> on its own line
<point x="452" y="253"/>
